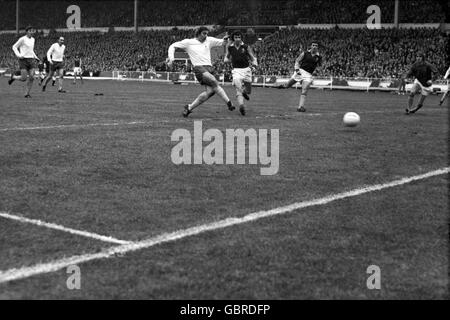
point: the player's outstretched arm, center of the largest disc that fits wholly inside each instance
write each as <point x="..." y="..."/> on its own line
<point x="227" y="57"/>
<point x="171" y="52"/>
<point x="216" y="42"/>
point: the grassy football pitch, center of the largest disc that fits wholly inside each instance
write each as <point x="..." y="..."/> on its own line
<point x="88" y="180"/>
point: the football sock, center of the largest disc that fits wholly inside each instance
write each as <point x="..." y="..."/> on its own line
<point x="410" y="102"/>
<point x="240" y="99"/>
<point x="302" y="100"/>
<point x="219" y="90"/>
<point x="202" y="97"/>
<point x="29" y="85"/>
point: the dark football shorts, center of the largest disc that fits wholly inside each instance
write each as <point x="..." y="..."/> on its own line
<point x="57" y="65"/>
<point x="200" y="70"/>
<point x="27" y="64"/>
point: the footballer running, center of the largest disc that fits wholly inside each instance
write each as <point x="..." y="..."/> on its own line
<point x="240" y="55"/>
<point x="24" y="51"/>
<point x="305" y="65"/>
<point x="422" y="72"/>
<point x="199" y="51"/>
<point x="55" y="56"/>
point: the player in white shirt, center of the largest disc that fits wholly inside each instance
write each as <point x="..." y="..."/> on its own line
<point x="199" y="51"/>
<point x="55" y="56"/>
<point x="447" y="76"/>
<point x="24" y="50"/>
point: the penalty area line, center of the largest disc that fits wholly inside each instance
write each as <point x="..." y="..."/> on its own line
<point x="62" y="228"/>
<point x="56" y="265"/>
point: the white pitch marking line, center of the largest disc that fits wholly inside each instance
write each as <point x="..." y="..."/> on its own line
<point x="62" y="228"/>
<point x="25" y="272"/>
<point x="111" y="124"/>
<point x="76" y="126"/>
<point x="64" y="126"/>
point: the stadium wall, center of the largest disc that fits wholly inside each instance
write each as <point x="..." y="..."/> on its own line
<point x="355" y="84"/>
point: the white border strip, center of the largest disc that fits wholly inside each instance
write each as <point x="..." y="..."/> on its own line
<point x="62" y="228"/>
<point x="25" y="272"/>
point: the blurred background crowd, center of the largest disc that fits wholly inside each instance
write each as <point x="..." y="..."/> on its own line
<point x="346" y="52"/>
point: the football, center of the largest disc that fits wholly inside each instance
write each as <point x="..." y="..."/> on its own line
<point x="351" y="119"/>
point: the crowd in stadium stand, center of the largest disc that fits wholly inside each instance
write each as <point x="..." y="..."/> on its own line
<point x="120" y="13"/>
<point x="346" y="52"/>
<point x="353" y="53"/>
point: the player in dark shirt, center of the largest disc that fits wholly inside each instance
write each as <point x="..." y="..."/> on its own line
<point x="305" y="65"/>
<point x="41" y="69"/>
<point x="77" y="69"/>
<point x="241" y="55"/>
<point x="44" y="69"/>
<point x="422" y="72"/>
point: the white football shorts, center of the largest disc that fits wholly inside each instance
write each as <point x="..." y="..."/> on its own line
<point x="241" y="75"/>
<point x="302" y="75"/>
<point x="77" y="70"/>
<point x="425" y="91"/>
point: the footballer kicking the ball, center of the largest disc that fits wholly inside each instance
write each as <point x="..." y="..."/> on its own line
<point x="422" y="72"/>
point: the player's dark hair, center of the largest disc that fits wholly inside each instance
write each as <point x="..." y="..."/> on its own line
<point x="28" y="28"/>
<point x="200" y="30"/>
<point x="236" y="33"/>
<point x="422" y="55"/>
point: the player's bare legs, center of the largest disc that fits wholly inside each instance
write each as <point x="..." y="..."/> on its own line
<point x="60" y="80"/>
<point x="52" y="75"/>
<point x="288" y="84"/>
<point x="25" y="75"/>
<point x="240" y="92"/>
<point x="201" y="98"/>
<point x="420" y="104"/>
<point x="75" y="78"/>
<point x="22" y="77"/>
<point x="211" y="81"/>
<point x="247" y="90"/>
<point x="30" y="81"/>
<point x="305" y="88"/>
<point x="414" y="91"/>
<point x="47" y="79"/>
<point x="212" y="87"/>
<point x="410" y="102"/>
